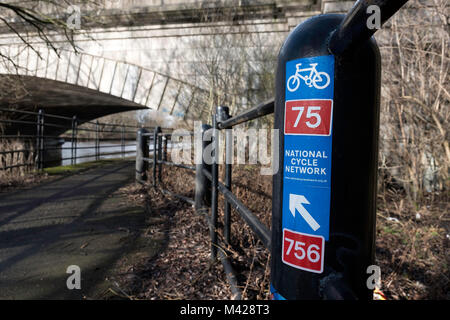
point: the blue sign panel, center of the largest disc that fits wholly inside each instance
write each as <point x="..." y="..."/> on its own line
<point x="307" y="157"/>
<point x="275" y="294"/>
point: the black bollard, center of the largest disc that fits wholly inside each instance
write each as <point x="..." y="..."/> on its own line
<point x="324" y="195"/>
<point x="141" y="153"/>
<point x="202" y="184"/>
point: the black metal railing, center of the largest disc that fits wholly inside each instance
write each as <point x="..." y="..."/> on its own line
<point x="207" y="184"/>
<point x="39" y="147"/>
<point x="146" y="156"/>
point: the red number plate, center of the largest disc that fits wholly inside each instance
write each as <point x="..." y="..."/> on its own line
<point x="308" y="117"/>
<point x="303" y="251"/>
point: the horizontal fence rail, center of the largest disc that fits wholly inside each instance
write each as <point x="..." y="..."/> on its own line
<point x="261" y="231"/>
<point x="251" y="114"/>
<point x="41" y="150"/>
<point x="157" y="157"/>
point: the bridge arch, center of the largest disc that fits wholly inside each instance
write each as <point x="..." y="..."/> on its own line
<point x="119" y="85"/>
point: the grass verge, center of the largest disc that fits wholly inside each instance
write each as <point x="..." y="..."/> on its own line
<point x="76" y="168"/>
<point x="18" y="179"/>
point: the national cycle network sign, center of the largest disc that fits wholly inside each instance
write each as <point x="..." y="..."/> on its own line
<point x="307" y="161"/>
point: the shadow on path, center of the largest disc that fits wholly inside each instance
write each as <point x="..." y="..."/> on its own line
<point x="70" y="221"/>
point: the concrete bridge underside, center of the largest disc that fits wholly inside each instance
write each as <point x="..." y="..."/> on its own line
<point x="88" y="86"/>
<point x="63" y="99"/>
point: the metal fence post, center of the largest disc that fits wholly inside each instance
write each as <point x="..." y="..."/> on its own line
<point x="202" y="184"/>
<point x="155" y="152"/>
<point x="223" y="113"/>
<point x="74" y="140"/>
<point x="38" y="133"/>
<point x="97" y="141"/>
<point x="42" y="162"/>
<point x="141" y="153"/>
<point x="40" y="140"/>
<point x="122" y="141"/>
<point x="214" y="189"/>
<point x="160" y="156"/>
<point x="165" y="148"/>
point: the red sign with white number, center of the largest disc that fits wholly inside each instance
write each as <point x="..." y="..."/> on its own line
<point x="303" y="251"/>
<point x="308" y="117"/>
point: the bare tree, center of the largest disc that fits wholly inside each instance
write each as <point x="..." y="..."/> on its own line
<point x="234" y="63"/>
<point x="38" y="21"/>
<point x="39" y="18"/>
<point x="415" y="98"/>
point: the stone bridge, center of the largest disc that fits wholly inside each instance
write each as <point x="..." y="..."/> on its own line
<point x="136" y="54"/>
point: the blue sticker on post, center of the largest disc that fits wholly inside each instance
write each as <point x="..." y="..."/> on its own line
<point x="307" y="161"/>
<point x="275" y="295"/>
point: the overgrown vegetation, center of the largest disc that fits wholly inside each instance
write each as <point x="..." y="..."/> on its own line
<point x="414" y="147"/>
<point x="75" y="168"/>
<point x="18" y="159"/>
<point x="412" y="243"/>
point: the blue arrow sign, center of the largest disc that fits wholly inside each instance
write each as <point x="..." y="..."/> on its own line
<point x="308" y="145"/>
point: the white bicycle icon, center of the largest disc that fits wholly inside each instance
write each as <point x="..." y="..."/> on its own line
<point x="320" y="80"/>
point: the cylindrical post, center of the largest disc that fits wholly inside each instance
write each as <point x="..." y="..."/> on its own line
<point x="155" y="152"/>
<point x="214" y="187"/>
<point x="223" y="113"/>
<point x="160" y="156"/>
<point x="166" y="138"/>
<point x="74" y="140"/>
<point x="141" y="153"/>
<point x="324" y="195"/>
<point x="202" y="184"/>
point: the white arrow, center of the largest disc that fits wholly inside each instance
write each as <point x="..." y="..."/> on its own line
<point x="295" y="202"/>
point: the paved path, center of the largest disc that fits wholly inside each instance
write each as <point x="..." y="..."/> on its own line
<point x="70" y="221"/>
